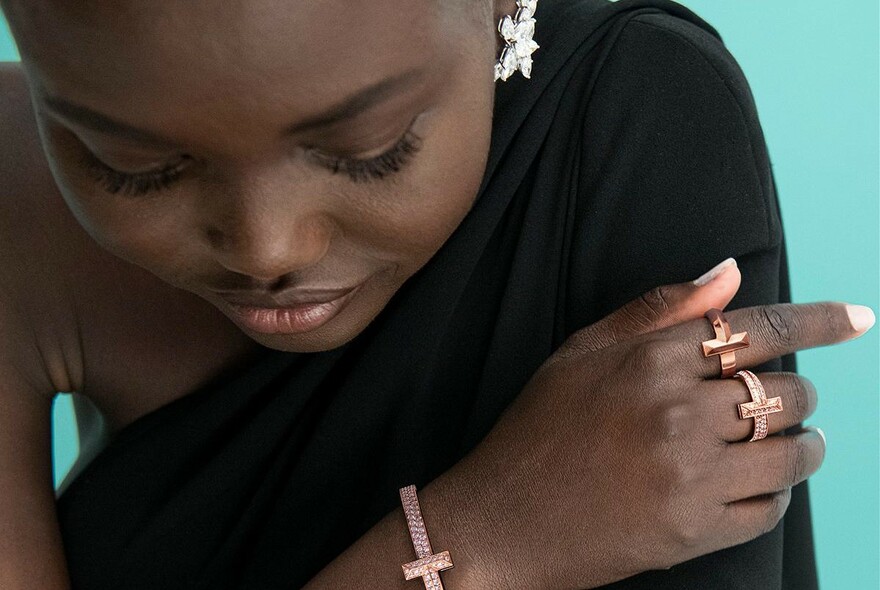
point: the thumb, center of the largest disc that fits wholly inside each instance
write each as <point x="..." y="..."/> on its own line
<point x="663" y="306"/>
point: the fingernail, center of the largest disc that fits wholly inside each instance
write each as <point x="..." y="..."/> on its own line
<point x="820" y="431"/>
<point x="860" y="317"/>
<point x="716" y="270"/>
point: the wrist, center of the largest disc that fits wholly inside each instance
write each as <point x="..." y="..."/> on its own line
<point x="459" y="517"/>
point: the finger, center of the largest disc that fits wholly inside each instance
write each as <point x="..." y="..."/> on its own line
<point x="750" y="518"/>
<point x="718" y="400"/>
<point x="765" y="466"/>
<point x="773" y="330"/>
<point x="662" y="306"/>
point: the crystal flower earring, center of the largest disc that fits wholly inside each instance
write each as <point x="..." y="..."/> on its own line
<point x="517" y="33"/>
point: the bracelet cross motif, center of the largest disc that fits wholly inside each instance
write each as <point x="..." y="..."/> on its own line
<point x="428" y="565"/>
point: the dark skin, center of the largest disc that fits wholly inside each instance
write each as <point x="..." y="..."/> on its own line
<point x="225" y="224"/>
<point x="102" y="292"/>
<point x="255" y="210"/>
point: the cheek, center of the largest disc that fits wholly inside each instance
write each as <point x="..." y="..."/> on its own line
<point x="439" y="188"/>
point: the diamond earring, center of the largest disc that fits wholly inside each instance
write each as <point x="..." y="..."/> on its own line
<point x="517" y="33"/>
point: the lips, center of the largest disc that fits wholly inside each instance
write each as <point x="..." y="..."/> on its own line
<point x="307" y="311"/>
<point x="286" y="300"/>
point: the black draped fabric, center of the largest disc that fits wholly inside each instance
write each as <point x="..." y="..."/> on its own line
<point x="633" y="157"/>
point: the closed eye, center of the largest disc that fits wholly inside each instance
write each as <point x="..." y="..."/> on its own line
<point x="357" y="169"/>
<point x="378" y="167"/>
<point x="134" y="184"/>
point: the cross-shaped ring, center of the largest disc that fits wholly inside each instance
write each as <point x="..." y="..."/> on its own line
<point x="760" y="406"/>
<point x="724" y="342"/>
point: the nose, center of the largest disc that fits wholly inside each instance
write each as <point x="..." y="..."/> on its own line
<point x="266" y="238"/>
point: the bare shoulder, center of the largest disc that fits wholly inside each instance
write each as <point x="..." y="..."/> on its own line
<point x="104" y="328"/>
<point x="48" y="352"/>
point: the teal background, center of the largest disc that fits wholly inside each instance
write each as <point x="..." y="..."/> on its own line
<point x="813" y="68"/>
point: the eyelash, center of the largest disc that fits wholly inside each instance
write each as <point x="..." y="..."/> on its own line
<point x="362" y="170"/>
<point x="114" y="181"/>
<point x="358" y="170"/>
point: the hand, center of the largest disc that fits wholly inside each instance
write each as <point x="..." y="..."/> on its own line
<point x="625" y="453"/>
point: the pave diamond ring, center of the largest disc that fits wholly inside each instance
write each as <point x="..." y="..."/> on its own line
<point x="760" y="406"/>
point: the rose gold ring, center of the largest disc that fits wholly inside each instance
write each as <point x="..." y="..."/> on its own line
<point x="760" y="406"/>
<point x="724" y="342"/>
<point x="428" y="565"/>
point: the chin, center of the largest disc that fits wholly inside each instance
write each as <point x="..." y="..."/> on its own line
<point x="301" y="343"/>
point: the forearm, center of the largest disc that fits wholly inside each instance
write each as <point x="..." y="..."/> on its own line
<point x="450" y="508"/>
<point x="473" y="512"/>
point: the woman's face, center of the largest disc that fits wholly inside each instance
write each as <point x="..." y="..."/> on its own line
<point x="258" y="152"/>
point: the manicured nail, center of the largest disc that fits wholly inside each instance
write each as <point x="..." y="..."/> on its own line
<point x="860" y="317"/>
<point x="716" y="270"/>
<point x="820" y="431"/>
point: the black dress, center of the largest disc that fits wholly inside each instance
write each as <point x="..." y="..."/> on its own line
<point x="633" y="158"/>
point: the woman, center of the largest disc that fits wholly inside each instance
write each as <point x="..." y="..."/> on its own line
<point x="454" y="244"/>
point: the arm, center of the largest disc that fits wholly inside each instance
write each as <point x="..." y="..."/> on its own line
<point x="693" y="185"/>
<point x="693" y="147"/>
<point x="33" y="366"/>
<point x="453" y="514"/>
<point x="31" y="553"/>
<point x="31" y="550"/>
<point x="38" y="356"/>
<point x="677" y="164"/>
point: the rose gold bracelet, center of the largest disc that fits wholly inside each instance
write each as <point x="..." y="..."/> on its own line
<point x="428" y="565"/>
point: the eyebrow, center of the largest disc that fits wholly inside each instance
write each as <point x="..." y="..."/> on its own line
<point x="351" y="106"/>
<point x="360" y="101"/>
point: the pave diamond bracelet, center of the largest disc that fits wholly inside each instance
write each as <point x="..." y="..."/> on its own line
<point x="428" y="565"/>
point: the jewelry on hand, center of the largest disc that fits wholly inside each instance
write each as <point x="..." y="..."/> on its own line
<point x="760" y="406"/>
<point x="428" y="565"/>
<point x="724" y="342"/>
